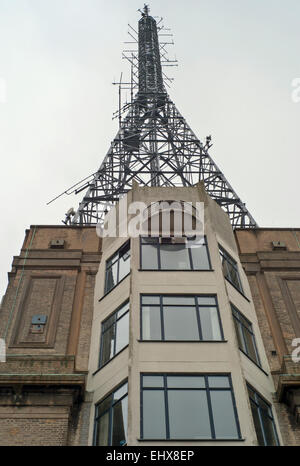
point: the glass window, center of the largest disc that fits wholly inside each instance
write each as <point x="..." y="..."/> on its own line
<point x="263" y="420"/>
<point x="111" y="419"/>
<point x="114" y="334"/>
<point x="245" y="335"/>
<point x="223" y="414"/>
<point x="230" y="269"/>
<point x="173" y="254"/>
<point x="154" y="425"/>
<point x="180" y="323"/>
<point x="117" y="267"/>
<point x="186" y="318"/>
<point x="187" y="407"/>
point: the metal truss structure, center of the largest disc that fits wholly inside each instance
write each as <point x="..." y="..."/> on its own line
<point x="154" y="145"/>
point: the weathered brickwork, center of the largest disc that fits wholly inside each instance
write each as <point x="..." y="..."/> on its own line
<point x="42" y="382"/>
<point x="271" y="259"/>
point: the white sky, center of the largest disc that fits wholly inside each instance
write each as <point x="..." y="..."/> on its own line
<point x="237" y="60"/>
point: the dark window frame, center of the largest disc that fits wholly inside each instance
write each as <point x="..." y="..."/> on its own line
<point x="157" y="244"/>
<point x="234" y="310"/>
<point x="117" y="254"/>
<point x="207" y="389"/>
<point x="226" y="257"/>
<point x="116" y="319"/>
<point x="255" y="400"/>
<point x="196" y="305"/>
<point x="109" y="410"/>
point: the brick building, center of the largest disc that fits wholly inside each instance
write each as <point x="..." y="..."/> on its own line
<point x="46" y="323"/>
<point x="271" y="260"/>
<point x="68" y="354"/>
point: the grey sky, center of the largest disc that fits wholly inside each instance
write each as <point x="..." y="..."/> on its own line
<point x="237" y="60"/>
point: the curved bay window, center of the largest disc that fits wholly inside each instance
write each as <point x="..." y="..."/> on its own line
<point x="174" y="254"/>
<point x="180" y="318"/>
<point x="188" y="407"/>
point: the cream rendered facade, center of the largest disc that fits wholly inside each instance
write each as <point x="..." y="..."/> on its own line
<point x="178" y="357"/>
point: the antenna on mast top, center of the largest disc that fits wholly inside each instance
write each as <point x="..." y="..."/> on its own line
<point x="145" y="11"/>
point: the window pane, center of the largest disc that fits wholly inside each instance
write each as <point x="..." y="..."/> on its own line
<point x="200" y="258"/>
<point x="180" y="323"/>
<point x="104" y="405"/>
<point x="119" y="422"/>
<point x="218" y="381"/>
<point x="151" y="324"/>
<point x="185" y="382"/>
<point x="150" y="299"/>
<point x="153" y="381"/>
<point x="207" y="301"/>
<point x="149" y="240"/>
<point x="188" y="414"/>
<point x="233" y="276"/>
<point x="239" y="334"/>
<point x="154" y="422"/>
<point x="149" y="257"/>
<point x="268" y="427"/>
<point x="108" y="322"/>
<point x="123" y="309"/>
<point x="174" y="257"/>
<point x="244" y="321"/>
<point x="124" y="266"/>
<point x="108" y="345"/>
<point x="111" y="277"/>
<point x="122" y="332"/>
<point x="210" y="325"/>
<point x="250" y="346"/>
<point x="257" y="424"/>
<point x="223" y="414"/>
<point x="179" y="300"/>
<point x="120" y="392"/>
<point x="103" y="430"/>
<point x="251" y="393"/>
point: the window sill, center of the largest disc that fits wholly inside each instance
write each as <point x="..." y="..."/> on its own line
<point x="107" y="362"/>
<point x="236" y="288"/>
<point x="191" y="440"/>
<point x="175" y="270"/>
<point x="107" y="293"/>
<point x="182" y="341"/>
<point x="255" y="363"/>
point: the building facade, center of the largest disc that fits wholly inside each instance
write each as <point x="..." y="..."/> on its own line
<point x="271" y="259"/>
<point x="176" y="352"/>
<point x="145" y="340"/>
<point x="45" y="321"/>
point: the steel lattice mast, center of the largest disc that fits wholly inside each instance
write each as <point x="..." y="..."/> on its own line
<point x="155" y="146"/>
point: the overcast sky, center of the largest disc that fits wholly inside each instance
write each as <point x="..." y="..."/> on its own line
<point x="237" y="62"/>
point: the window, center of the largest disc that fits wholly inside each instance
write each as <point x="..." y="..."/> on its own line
<point x="174" y="254"/>
<point x="245" y="335"/>
<point x="114" y="334"/>
<point x="111" y="419"/>
<point x="230" y="269"/>
<point x="117" y="267"/>
<point x="263" y="419"/>
<point x="186" y="318"/>
<point x="188" y="407"/>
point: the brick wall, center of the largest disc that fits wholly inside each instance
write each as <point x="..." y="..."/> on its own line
<point x="45" y="362"/>
<point x="274" y="278"/>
